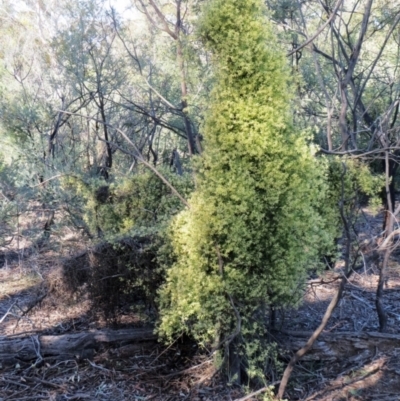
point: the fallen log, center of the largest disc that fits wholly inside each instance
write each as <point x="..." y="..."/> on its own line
<point x="349" y="346"/>
<point x="36" y="348"/>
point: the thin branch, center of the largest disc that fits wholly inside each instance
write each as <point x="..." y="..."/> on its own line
<point x="382" y="47"/>
<point x="356" y="153"/>
<point x="260" y="391"/>
<point x="50" y="179"/>
<point x="319" y="31"/>
<point x="134" y="57"/>
<point x="160" y="16"/>
<point x="356" y="51"/>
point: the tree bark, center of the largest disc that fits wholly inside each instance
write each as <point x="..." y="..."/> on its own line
<point x="380" y="308"/>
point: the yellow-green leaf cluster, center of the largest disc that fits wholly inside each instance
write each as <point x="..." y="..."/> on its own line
<point x="130" y="205"/>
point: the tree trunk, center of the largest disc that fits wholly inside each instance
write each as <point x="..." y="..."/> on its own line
<point x="184" y="93"/>
<point x="389" y="193"/>
<point x="108" y="157"/>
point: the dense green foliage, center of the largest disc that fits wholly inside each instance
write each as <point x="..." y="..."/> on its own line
<point x="254" y="228"/>
<point x="127" y="219"/>
<point x="352" y="183"/>
<point x="132" y="205"/>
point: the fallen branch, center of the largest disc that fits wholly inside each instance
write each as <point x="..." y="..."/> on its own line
<point x="76" y="346"/>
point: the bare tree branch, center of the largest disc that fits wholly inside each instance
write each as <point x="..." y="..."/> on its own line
<point x="319" y="31"/>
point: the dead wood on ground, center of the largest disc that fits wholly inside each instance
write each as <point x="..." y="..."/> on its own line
<point x="348" y="346"/>
<point x="36" y="348"/>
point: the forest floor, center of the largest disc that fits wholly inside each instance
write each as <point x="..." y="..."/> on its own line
<point x="34" y="301"/>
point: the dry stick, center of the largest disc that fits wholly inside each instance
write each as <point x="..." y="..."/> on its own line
<point x="261" y="390"/>
<point x="16" y="383"/>
<point x="302" y="351"/>
<point x="8" y="311"/>
<point x="45" y="382"/>
<point x="36" y="347"/>
<point x="36" y="302"/>
<point x="359" y="153"/>
<point x="50" y="179"/>
<point x="332" y="305"/>
<point x="138" y="155"/>
<point x="388" y="239"/>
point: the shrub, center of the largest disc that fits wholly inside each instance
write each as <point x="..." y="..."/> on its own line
<point x="255" y="225"/>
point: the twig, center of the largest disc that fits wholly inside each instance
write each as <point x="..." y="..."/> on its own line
<point x="261" y="390"/>
<point x="29" y="398"/>
<point x="188" y="369"/>
<point x="78" y="396"/>
<point x="45" y="382"/>
<point x="14" y="382"/>
<point x="361" y="300"/>
<point x="384" y="244"/>
<point x="166" y="349"/>
<point x="98" y="366"/>
<point x="314" y="283"/>
<point x="37" y="380"/>
<point x="20" y="317"/>
<point x="8" y="311"/>
<point x="36" y="347"/>
<point x="50" y="179"/>
<point x="34" y="303"/>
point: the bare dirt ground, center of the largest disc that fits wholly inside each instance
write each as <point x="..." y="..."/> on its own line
<point x="33" y="301"/>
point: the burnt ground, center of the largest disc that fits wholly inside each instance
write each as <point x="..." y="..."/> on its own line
<point x="33" y="300"/>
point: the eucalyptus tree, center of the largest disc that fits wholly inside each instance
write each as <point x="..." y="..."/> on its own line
<point x="93" y="72"/>
<point x="349" y="70"/>
<point x="350" y="83"/>
<point x="26" y="101"/>
<point x="171" y="65"/>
